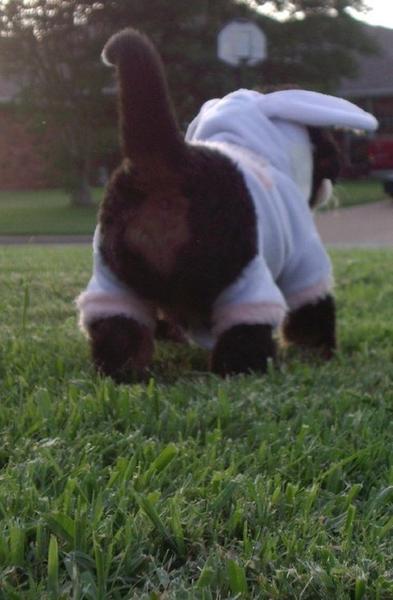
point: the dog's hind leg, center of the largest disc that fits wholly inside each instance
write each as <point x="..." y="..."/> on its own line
<point x="243" y="349"/>
<point x="121" y="347"/>
<point x="120" y="327"/>
<point x="313" y="326"/>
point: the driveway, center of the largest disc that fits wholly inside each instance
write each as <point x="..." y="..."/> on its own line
<point x="368" y="225"/>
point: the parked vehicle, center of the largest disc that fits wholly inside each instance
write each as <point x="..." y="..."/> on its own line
<point x="380" y="151"/>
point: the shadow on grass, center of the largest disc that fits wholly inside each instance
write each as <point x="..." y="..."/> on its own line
<point x="176" y="363"/>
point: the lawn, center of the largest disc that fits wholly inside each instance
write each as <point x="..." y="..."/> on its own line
<point x="48" y="212"/>
<point x="45" y="212"/>
<point x="362" y="191"/>
<point x="192" y="487"/>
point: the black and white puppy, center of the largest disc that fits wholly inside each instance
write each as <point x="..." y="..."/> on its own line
<point x="214" y="230"/>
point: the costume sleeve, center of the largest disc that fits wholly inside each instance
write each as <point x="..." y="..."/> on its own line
<point x="106" y="296"/>
<point x="307" y="277"/>
<point x="252" y="299"/>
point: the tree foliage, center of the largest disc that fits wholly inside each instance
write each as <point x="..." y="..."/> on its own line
<point x="309" y="7"/>
<point x="53" y="48"/>
<point x="48" y="46"/>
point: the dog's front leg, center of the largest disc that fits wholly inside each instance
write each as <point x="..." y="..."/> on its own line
<point x="313" y="326"/>
<point x="121" y="347"/>
<point x="243" y="349"/>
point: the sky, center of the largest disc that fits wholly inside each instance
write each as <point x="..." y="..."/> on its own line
<point x="380" y="13"/>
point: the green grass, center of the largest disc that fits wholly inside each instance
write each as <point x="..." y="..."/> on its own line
<point x="364" y="191"/>
<point x="45" y="212"/>
<point x="48" y="212"/>
<point x="193" y="487"/>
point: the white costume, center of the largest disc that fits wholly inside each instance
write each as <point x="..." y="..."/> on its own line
<point x="266" y="136"/>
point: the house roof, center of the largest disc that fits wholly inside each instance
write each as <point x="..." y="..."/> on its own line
<point x="375" y="76"/>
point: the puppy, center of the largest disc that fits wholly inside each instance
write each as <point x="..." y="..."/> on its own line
<point x="215" y="230"/>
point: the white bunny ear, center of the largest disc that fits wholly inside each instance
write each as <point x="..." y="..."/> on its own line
<point x="316" y="110"/>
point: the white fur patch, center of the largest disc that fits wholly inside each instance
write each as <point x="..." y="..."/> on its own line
<point x="104" y="59"/>
<point x="98" y="305"/>
<point x="324" y="193"/>
<point x="311" y="295"/>
<point x="256" y="313"/>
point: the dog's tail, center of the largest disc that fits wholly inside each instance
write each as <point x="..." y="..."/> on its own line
<point x="148" y="123"/>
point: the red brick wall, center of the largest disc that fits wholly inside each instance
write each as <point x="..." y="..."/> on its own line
<point x="22" y="165"/>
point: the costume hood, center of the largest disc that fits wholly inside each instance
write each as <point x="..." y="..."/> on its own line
<point x="274" y="126"/>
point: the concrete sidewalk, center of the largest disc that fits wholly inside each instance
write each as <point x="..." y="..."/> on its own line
<point x="367" y="225"/>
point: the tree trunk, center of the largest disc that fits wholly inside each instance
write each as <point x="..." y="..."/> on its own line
<point x="81" y="194"/>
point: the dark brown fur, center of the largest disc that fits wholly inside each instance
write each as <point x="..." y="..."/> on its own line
<point x="327" y="159"/>
<point x="147" y="118"/>
<point x="121" y="347"/>
<point x="244" y="349"/>
<point x="182" y="246"/>
<point x="313" y="327"/>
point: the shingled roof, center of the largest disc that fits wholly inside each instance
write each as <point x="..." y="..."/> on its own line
<point x="375" y="77"/>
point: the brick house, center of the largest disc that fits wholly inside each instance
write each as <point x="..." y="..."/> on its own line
<point x="22" y="165"/>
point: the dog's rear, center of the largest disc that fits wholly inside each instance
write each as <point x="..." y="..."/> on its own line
<point x="161" y="203"/>
<point x="171" y="222"/>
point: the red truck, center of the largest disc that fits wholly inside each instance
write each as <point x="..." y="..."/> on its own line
<point x="369" y="157"/>
<point x="380" y="154"/>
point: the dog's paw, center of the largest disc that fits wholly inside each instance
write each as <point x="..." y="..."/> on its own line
<point x="121" y="348"/>
<point x="243" y="349"/>
<point x="312" y="327"/>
